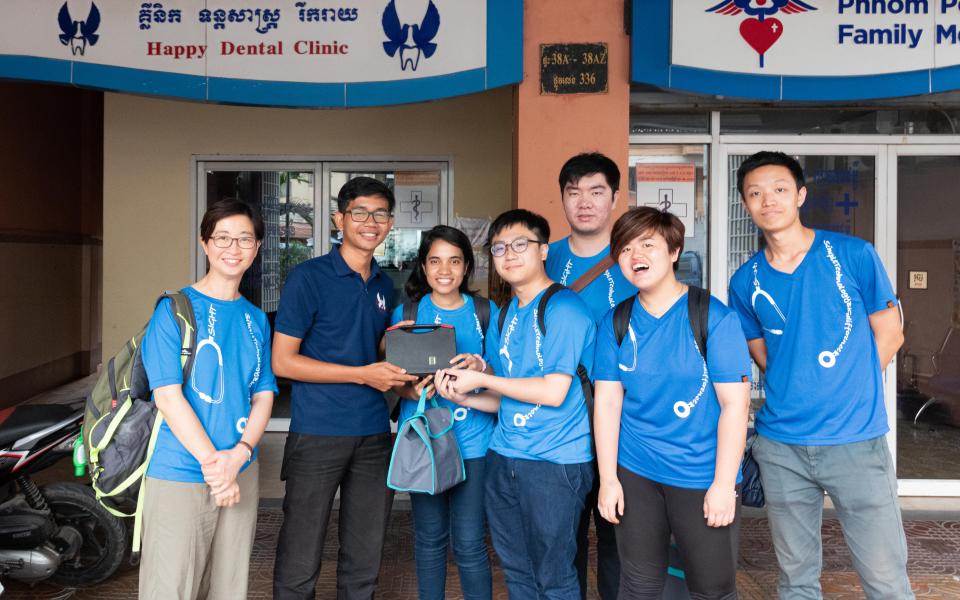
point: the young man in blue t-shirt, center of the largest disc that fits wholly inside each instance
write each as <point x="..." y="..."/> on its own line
<point x="539" y="467"/>
<point x="589" y="189"/>
<point x="333" y="312"/>
<point x="821" y="321"/>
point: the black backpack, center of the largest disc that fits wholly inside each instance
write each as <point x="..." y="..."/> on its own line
<point x="542" y="324"/>
<point x="481" y="308"/>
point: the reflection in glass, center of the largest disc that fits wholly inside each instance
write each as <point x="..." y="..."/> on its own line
<point x="928" y="283"/>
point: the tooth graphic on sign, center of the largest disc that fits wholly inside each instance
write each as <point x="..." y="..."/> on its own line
<point x="410" y="30"/>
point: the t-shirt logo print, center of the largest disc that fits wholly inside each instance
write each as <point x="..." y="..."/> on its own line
<point x="767" y="303"/>
<point x="217" y="373"/>
<point x="381" y="302"/>
<point x="828" y="358"/>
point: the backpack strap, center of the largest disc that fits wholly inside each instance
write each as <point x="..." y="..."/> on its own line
<point x="587" y="278"/>
<point x="698" y="311"/>
<point x="542" y="305"/>
<point x="621" y="318"/>
<point x="410" y="310"/>
<point x="502" y="318"/>
<point x="481" y="308"/>
<point x="183" y="315"/>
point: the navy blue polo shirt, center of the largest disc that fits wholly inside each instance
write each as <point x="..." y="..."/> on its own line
<point x="339" y="319"/>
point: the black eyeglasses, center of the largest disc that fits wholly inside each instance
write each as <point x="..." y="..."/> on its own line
<point x="362" y="215"/>
<point x="225" y="241"/>
<point x="518" y="245"/>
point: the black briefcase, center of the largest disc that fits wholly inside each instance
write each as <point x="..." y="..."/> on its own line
<point x="421" y="349"/>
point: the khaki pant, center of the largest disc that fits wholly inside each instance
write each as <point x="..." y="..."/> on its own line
<point x="191" y="548"/>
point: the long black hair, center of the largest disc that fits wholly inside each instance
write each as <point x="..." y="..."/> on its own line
<point x="417" y="286"/>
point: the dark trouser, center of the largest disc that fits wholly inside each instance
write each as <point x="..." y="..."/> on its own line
<point x="608" y="561"/>
<point x="314" y="467"/>
<point x="456" y="515"/>
<point x="651" y="512"/>
<point x="531" y="505"/>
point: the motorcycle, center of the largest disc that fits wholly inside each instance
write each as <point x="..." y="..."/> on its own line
<point x="59" y="531"/>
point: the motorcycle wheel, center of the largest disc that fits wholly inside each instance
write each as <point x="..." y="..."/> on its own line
<point x="103" y="537"/>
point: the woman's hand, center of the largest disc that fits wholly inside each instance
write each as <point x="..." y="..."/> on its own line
<point x="450" y="384"/>
<point x="720" y="505"/>
<point x="424" y="384"/>
<point x="228" y="497"/>
<point x="220" y="469"/>
<point x="473" y="362"/>
<point x="610" y="500"/>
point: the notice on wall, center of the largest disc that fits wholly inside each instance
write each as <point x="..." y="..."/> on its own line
<point x="670" y="187"/>
<point x="418" y="199"/>
<point x="573" y="68"/>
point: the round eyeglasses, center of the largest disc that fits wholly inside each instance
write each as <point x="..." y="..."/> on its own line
<point x="225" y="241"/>
<point x="519" y="246"/>
<point x="362" y="215"/>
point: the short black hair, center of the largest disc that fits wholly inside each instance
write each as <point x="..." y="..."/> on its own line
<point x="416" y="286"/>
<point x="225" y="208"/>
<point x="364" y="186"/>
<point x="520" y="216"/>
<point x="765" y="158"/>
<point x="589" y="163"/>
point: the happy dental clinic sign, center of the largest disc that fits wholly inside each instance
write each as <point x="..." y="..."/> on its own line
<point x="801" y="49"/>
<point x="286" y="52"/>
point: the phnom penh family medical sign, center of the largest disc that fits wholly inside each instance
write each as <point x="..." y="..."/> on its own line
<point x="805" y="49"/>
<point x="294" y="52"/>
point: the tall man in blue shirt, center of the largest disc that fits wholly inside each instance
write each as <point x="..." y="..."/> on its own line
<point x="333" y="312"/>
<point x="821" y="320"/>
<point x="589" y="189"/>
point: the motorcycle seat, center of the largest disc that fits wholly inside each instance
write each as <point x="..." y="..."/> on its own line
<point x="24" y="420"/>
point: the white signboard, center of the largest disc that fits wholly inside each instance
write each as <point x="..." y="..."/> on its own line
<point x="304" y="41"/>
<point x="815" y="37"/>
<point x="669" y="187"/>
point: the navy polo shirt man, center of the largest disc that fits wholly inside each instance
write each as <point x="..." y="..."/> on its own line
<point x="333" y="312"/>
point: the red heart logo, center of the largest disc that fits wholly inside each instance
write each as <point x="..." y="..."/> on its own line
<point x="761" y="34"/>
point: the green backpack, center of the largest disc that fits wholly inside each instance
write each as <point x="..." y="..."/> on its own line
<point x="121" y="422"/>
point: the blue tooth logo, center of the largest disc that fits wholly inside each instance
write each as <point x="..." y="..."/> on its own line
<point x="413" y="40"/>
<point x="79" y="34"/>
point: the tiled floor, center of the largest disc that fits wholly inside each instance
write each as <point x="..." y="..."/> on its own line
<point x="934" y="565"/>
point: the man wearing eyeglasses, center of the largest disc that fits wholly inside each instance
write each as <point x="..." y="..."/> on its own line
<point x="589" y="189"/>
<point x="333" y="312"/>
<point x="539" y="466"/>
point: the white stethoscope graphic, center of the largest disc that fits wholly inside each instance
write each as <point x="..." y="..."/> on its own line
<point x="682" y="409"/>
<point x="828" y="358"/>
<point x="460" y="413"/>
<point x="760" y="292"/>
<point x="210" y="341"/>
<point x="633" y="341"/>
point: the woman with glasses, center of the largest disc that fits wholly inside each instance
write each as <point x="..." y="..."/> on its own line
<point x="439" y="288"/>
<point x="670" y="422"/>
<point x="202" y="489"/>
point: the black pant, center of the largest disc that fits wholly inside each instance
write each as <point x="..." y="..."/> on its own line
<point x="314" y="467"/>
<point x="608" y="561"/>
<point x="651" y="512"/>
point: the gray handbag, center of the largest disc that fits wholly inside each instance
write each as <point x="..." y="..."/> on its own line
<point x="426" y="456"/>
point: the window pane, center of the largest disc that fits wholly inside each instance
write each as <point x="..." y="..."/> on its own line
<point x="841" y="121"/>
<point x="928" y="283"/>
<point x="674" y="177"/>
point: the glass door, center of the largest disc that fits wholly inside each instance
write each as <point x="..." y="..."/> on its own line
<point x="926" y="230"/>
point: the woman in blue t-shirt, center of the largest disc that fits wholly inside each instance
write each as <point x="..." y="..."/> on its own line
<point x="670" y="424"/>
<point x="439" y="284"/>
<point x="201" y="490"/>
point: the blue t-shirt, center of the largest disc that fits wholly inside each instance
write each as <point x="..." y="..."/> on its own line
<point x="231" y="364"/>
<point x="558" y="434"/>
<point x="473" y="428"/>
<point x="823" y="379"/>
<point x="339" y="319"/>
<point x="604" y="292"/>
<point x="668" y="426"/>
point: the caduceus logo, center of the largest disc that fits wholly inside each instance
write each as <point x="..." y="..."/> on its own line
<point x="761" y="30"/>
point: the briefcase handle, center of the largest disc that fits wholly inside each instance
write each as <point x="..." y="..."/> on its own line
<point x="420" y="326"/>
